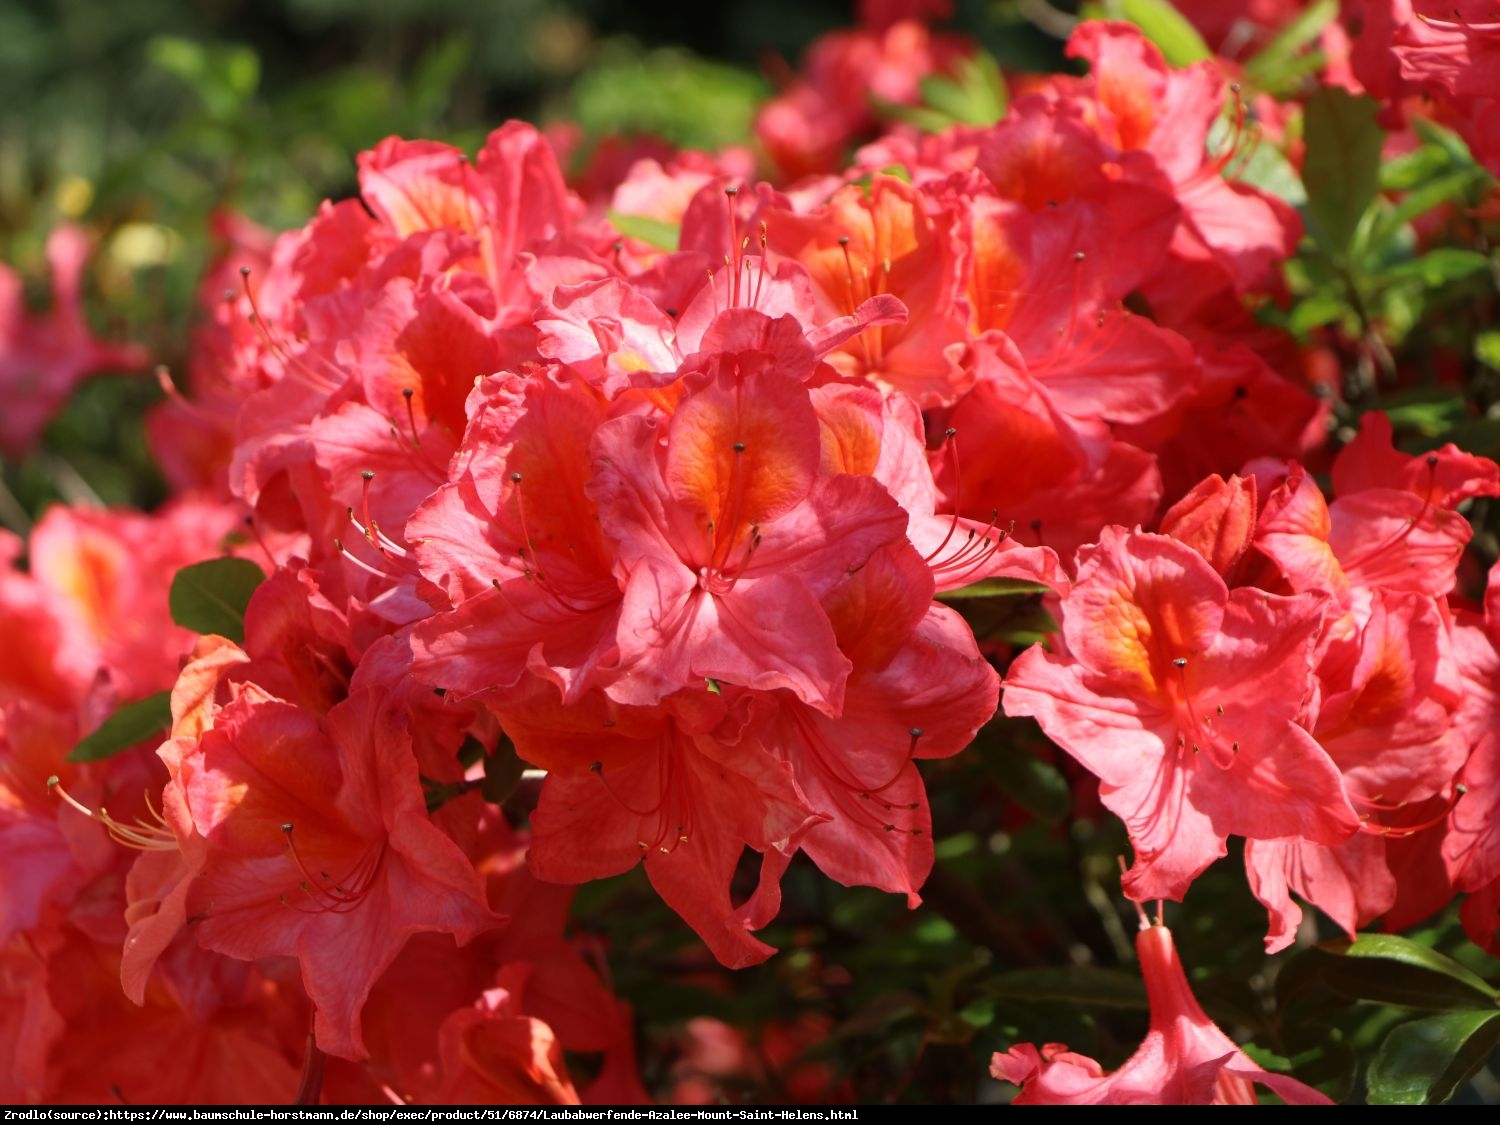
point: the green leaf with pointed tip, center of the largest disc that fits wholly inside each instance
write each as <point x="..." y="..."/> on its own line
<point x="1422" y="1062"/>
<point x="1439" y="266"/>
<point x="1320" y="308"/>
<point x="1278" y="65"/>
<point x="1404" y="951"/>
<point x="654" y="232"/>
<point x="1387" y="969"/>
<point x="1159" y="22"/>
<point x="135" y="722"/>
<point x="1431" y="412"/>
<point x="1342" y="165"/>
<point x="976" y="95"/>
<point x="995" y="588"/>
<point x="210" y="597"/>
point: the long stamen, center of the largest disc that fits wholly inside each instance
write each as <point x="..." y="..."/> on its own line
<point x="1402" y="831"/>
<point x="669" y="825"/>
<point x="275" y="346"/>
<point x="528" y="544"/>
<point x="1204" y="734"/>
<point x="1411" y="525"/>
<point x="370" y="531"/>
<point x="948" y="435"/>
<point x="409" y="394"/>
<point x="734" y="237"/>
<point x="142" y="835"/>
<point x="373" y="572"/>
<point x="339" y="896"/>
<point x="597" y="769"/>
<point x="761" y="276"/>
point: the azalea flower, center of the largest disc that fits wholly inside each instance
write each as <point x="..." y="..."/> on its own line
<point x="1184" y="1060"/>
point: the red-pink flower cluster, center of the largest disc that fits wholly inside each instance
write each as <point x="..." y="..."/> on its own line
<point x="671" y="526"/>
<point x="1276" y="667"/>
<point x="1441" y="56"/>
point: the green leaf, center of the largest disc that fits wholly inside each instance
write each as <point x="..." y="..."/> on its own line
<point x="1431" y="133"/>
<point x="224" y="77"/>
<point x="1159" y="22"/>
<point x="1322" y="307"/>
<point x="1438" y="267"/>
<point x="668" y="92"/>
<point x="1277" y="66"/>
<point x="1342" y="165"/>
<point x="135" y="722"/>
<point x="994" y="588"/>
<point x="1388" y="969"/>
<point x="1424" y="1061"/>
<point x="654" y="232"/>
<point x="1260" y="165"/>
<point x="1487" y="348"/>
<point x="1394" y="948"/>
<point x="210" y="597"/>
<point x="1453" y="187"/>
<point x="976" y="95"/>
<point x="1430" y="411"/>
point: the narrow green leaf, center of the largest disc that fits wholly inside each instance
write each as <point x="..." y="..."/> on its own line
<point x="1394" y="947"/>
<point x="1159" y="22"/>
<point x="1342" y="165"/>
<point x="975" y="96"/>
<point x="1438" y="267"/>
<point x="994" y="588"/>
<point x="1387" y="969"/>
<point x="1431" y="133"/>
<point x="653" y="232"/>
<point x="1431" y="412"/>
<point x="1274" y="67"/>
<point x="1322" y="307"/>
<point x="1422" y="1062"/>
<point x="210" y="597"/>
<point x="135" y="722"/>
<point x="1452" y="187"/>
